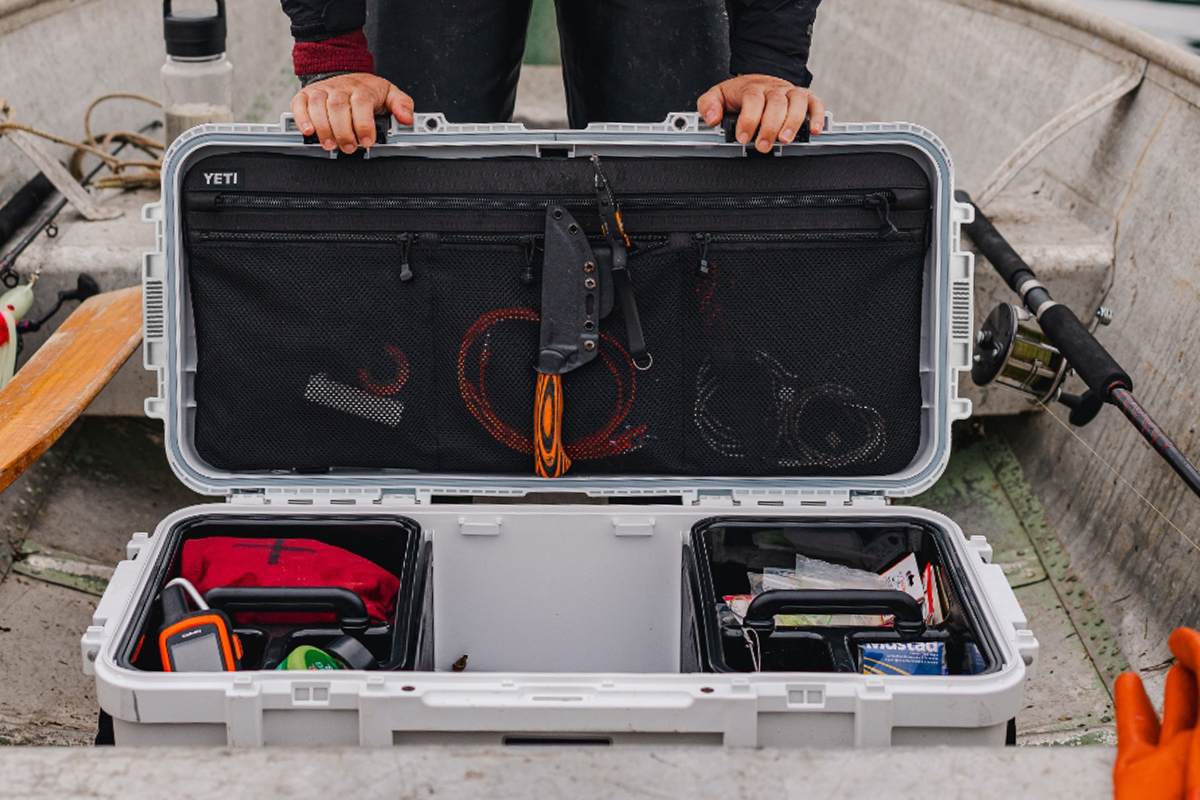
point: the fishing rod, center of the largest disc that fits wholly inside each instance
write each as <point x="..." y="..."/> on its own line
<point x="1013" y="351"/>
<point x="21" y="205"/>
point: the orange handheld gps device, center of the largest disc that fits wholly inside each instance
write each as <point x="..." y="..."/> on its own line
<point x="195" y="641"/>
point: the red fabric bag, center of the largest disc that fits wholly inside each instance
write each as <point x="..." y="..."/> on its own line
<point x="226" y="561"/>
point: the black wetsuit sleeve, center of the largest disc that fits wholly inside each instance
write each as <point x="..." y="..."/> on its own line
<point x="315" y="20"/>
<point x="771" y="37"/>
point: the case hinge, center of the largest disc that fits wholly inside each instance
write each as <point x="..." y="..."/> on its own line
<point x="403" y="497"/>
<point x="328" y="496"/>
<point x="793" y="498"/>
<point x="721" y="498"/>
<point x="871" y="500"/>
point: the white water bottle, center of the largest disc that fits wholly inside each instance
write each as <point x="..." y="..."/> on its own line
<point x="197" y="77"/>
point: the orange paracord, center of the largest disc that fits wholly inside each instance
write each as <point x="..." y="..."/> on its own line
<point x="387" y="389"/>
<point x="602" y="443"/>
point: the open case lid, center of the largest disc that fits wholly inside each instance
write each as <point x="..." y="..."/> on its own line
<point x="945" y="320"/>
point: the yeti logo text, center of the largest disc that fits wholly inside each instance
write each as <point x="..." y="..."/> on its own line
<point x="221" y="178"/>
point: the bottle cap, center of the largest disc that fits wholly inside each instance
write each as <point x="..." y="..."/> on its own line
<point x="352" y="653"/>
<point x="189" y="34"/>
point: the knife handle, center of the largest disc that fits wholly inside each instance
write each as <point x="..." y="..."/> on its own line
<point x="552" y="460"/>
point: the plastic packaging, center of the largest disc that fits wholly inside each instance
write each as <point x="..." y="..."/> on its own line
<point x="812" y="573"/>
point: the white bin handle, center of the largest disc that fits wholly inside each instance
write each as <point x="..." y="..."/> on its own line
<point x="1004" y="602"/>
<point x="108" y="610"/>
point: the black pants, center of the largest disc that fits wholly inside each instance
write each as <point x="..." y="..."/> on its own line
<point x="623" y="60"/>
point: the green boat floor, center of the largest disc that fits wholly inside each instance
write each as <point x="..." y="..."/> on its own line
<point x="984" y="491"/>
<point x="109" y="477"/>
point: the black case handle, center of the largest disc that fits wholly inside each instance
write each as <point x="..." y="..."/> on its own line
<point x="351" y="611"/>
<point x="729" y="127"/>
<point x="910" y="620"/>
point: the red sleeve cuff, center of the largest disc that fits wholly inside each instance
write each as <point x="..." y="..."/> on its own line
<point x="345" y="53"/>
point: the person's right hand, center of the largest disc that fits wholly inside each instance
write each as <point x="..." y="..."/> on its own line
<point x="341" y="111"/>
<point x="1160" y="761"/>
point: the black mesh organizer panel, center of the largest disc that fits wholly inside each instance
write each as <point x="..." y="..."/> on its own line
<point x="384" y="314"/>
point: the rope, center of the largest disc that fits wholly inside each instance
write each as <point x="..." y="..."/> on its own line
<point x="147" y="176"/>
<point x="602" y="443"/>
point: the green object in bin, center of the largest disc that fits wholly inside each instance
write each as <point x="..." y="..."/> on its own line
<point x="307" y="657"/>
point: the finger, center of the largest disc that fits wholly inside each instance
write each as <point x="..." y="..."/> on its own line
<point x="711" y="105"/>
<point x="774" y="113"/>
<point x="1185" y="644"/>
<point x="753" y="102"/>
<point x="1137" y="724"/>
<point x="1192" y="762"/>
<point x="340" y="120"/>
<point x="797" y="108"/>
<point x="362" y="116"/>
<point x="400" y="104"/>
<point x="1179" y="702"/>
<point x="816" y="114"/>
<point x="300" y="114"/>
<point x="320" y="119"/>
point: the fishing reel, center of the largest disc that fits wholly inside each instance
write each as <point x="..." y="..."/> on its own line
<point x="1012" y="351"/>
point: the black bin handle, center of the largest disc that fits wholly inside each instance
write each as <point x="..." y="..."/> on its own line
<point x="349" y="607"/>
<point x="910" y="620"/>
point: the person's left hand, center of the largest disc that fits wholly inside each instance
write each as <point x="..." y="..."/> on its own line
<point x="773" y="107"/>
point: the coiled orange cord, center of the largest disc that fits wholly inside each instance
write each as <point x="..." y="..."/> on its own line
<point x="604" y="442"/>
<point x="387" y="389"/>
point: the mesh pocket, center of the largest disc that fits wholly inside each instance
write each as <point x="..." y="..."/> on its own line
<point x="616" y="418"/>
<point x="784" y="359"/>
<point x="805" y="359"/>
<point x="485" y="339"/>
<point x="625" y="420"/>
<point x="310" y="356"/>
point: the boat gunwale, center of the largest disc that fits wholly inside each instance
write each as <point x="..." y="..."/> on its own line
<point x="1170" y="57"/>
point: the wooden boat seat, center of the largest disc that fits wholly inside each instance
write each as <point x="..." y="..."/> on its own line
<point x="64" y="375"/>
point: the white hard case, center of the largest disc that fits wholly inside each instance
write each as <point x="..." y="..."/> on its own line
<point x="573" y="616"/>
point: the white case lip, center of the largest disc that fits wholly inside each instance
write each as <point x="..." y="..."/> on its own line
<point x="946" y="338"/>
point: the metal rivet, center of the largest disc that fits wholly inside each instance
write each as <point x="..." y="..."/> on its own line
<point x="589" y="345"/>
<point x="572" y="228"/>
<point x="590" y="283"/>
<point x="558" y="213"/>
<point x="589" y="266"/>
<point x="589" y="325"/>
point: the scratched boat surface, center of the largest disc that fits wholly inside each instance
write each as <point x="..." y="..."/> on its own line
<point x="986" y="75"/>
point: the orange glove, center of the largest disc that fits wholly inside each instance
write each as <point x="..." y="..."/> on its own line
<point x="1160" y="762"/>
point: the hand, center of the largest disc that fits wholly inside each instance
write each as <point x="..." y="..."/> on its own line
<point x="772" y="106"/>
<point x="1160" y="761"/>
<point x="341" y="110"/>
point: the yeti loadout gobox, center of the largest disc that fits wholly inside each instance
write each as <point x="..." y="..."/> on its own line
<point x="736" y="361"/>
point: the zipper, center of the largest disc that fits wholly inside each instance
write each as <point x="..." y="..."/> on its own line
<point x="403" y="241"/>
<point x="526" y="241"/>
<point x="888" y="232"/>
<point x="868" y="199"/>
<point x="704" y="240"/>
